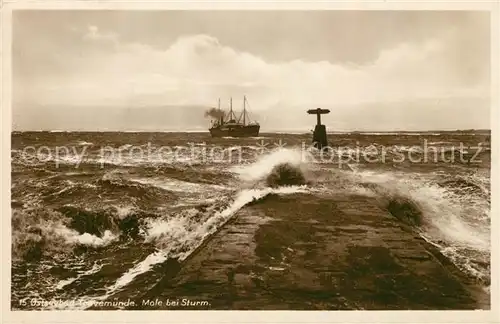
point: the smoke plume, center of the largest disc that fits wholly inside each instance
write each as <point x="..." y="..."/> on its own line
<point x="214" y="113"/>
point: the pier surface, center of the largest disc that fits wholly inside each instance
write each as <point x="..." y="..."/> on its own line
<point x="335" y="253"/>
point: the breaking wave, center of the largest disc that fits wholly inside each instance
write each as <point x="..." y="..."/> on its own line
<point x="178" y="236"/>
<point x="456" y="219"/>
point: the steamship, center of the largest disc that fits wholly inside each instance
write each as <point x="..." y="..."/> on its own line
<point x="229" y="125"/>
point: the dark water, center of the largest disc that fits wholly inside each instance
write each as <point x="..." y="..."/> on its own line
<point x="91" y="212"/>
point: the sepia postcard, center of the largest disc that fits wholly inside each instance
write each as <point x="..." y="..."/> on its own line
<point x="170" y="159"/>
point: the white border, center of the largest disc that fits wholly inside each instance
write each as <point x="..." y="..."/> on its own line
<point x="491" y="316"/>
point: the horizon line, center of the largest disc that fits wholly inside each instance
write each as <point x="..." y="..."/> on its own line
<point x="274" y="131"/>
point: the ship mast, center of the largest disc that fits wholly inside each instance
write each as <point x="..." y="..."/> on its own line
<point x="230" y="108"/>
<point x="244" y="110"/>
<point x="221" y="121"/>
<point x="232" y="115"/>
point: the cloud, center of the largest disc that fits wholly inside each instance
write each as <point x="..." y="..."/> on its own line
<point x="94" y="34"/>
<point x="198" y="69"/>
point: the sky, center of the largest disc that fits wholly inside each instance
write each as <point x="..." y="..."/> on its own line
<point x="406" y="69"/>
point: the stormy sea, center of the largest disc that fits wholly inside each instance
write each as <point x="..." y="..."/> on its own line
<point x="143" y="221"/>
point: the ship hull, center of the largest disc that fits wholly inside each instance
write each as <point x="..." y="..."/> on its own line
<point x="235" y="131"/>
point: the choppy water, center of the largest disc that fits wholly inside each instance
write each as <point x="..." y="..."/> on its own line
<point x="92" y="212"/>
